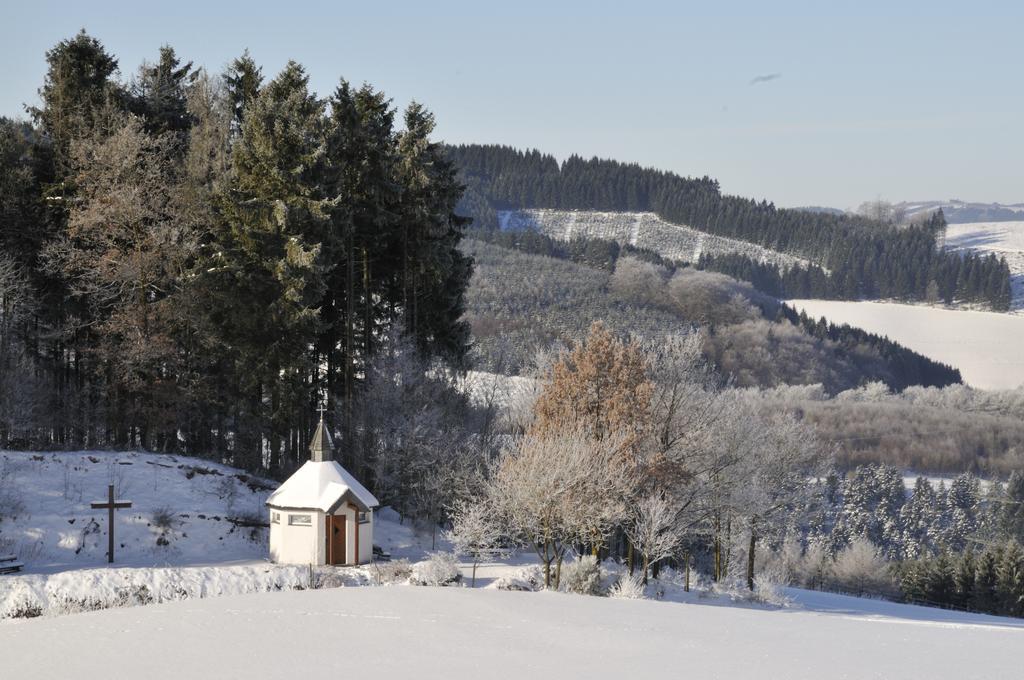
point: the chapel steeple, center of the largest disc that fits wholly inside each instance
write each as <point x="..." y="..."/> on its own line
<point x="321" y="448"/>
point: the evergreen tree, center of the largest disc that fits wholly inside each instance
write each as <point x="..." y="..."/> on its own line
<point x="264" y="268"/>
<point x="432" y="288"/>
<point x="920" y="521"/>
<point x="940" y="588"/>
<point x="1008" y="505"/>
<point x="243" y="79"/>
<point x="1010" y="583"/>
<point x="78" y="94"/>
<point x="986" y="583"/>
<point x="963" y="580"/>
<point x="160" y="91"/>
<point x="962" y="501"/>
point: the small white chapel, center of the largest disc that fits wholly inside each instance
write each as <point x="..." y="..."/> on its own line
<point x="321" y="514"/>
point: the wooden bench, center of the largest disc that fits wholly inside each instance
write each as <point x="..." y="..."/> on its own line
<point x="9" y="564"/>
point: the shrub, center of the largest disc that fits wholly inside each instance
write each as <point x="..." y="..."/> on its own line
<point x="439" y="569"/>
<point x="627" y="588"/>
<point x="527" y="579"/>
<point x="582" y="577"/>
<point x="768" y="587"/>
<point x="164" y="518"/>
<point x="860" y="570"/>
<point x="395" y="571"/>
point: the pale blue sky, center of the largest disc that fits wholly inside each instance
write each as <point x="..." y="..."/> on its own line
<point x="902" y="100"/>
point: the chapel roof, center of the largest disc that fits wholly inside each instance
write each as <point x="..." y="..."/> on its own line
<point x="321" y="486"/>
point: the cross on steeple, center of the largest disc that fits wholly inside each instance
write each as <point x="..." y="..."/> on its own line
<point x="322" y="410"/>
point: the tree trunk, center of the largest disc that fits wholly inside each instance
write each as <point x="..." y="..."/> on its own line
<point x="750" y="558"/>
<point x="686" y="568"/>
<point x="350" y="311"/>
<point x="718" y="558"/>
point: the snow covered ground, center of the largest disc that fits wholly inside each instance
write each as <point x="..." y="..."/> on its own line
<point x="185" y="511"/>
<point x="207" y="510"/>
<point x="985" y="346"/>
<point x="1003" y="238"/>
<point x="640" y="229"/>
<point x="401" y="632"/>
<point x="214" y="607"/>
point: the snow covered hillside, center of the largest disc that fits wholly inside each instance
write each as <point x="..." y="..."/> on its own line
<point x="403" y="632"/>
<point x="1002" y="238"/>
<point x="985" y="346"/>
<point x="184" y="510"/>
<point x="964" y="211"/>
<point x="640" y="229"/>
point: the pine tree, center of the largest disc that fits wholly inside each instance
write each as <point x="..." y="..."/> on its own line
<point x="940" y="588"/>
<point x="434" y="271"/>
<point x="78" y="94"/>
<point x="986" y="583"/>
<point x="243" y="79"/>
<point x="266" y="274"/>
<point x="159" y="93"/>
<point x="1009" y="506"/>
<point x="919" y="521"/>
<point x="1010" y="583"/>
<point x="963" y="580"/>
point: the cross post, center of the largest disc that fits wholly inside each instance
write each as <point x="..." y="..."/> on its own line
<point x="109" y="506"/>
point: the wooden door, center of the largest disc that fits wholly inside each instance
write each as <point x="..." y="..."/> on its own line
<point x="336" y="539"/>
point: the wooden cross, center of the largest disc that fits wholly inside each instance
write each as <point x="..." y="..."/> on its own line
<point x="110" y="504"/>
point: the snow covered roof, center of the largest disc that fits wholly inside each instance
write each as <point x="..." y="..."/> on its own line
<point x="320" y="485"/>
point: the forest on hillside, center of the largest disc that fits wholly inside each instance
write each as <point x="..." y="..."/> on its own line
<point x="529" y="291"/>
<point x="195" y="262"/>
<point x="856" y="257"/>
<point x="521" y="301"/>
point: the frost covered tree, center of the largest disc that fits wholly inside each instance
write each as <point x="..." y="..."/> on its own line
<point x="122" y="258"/>
<point x="785" y="454"/>
<point x="859" y="569"/>
<point x="412" y="433"/>
<point x="921" y="519"/>
<point x="653" y="528"/>
<point x="561" y="489"/>
<point x="962" y="505"/>
<point x="873" y="496"/>
<point x="476" y="531"/>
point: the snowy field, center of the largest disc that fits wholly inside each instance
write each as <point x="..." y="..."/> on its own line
<point x="405" y="632"/>
<point x="1003" y="238"/>
<point x="640" y="229"/>
<point x="985" y="346"/>
<point x="208" y="604"/>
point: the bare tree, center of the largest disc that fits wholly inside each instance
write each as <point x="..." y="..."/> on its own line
<point x="475" y="531"/>
<point x="883" y="212"/>
<point x="785" y="455"/>
<point x="654" y="529"/>
<point x="562" y="488"/>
